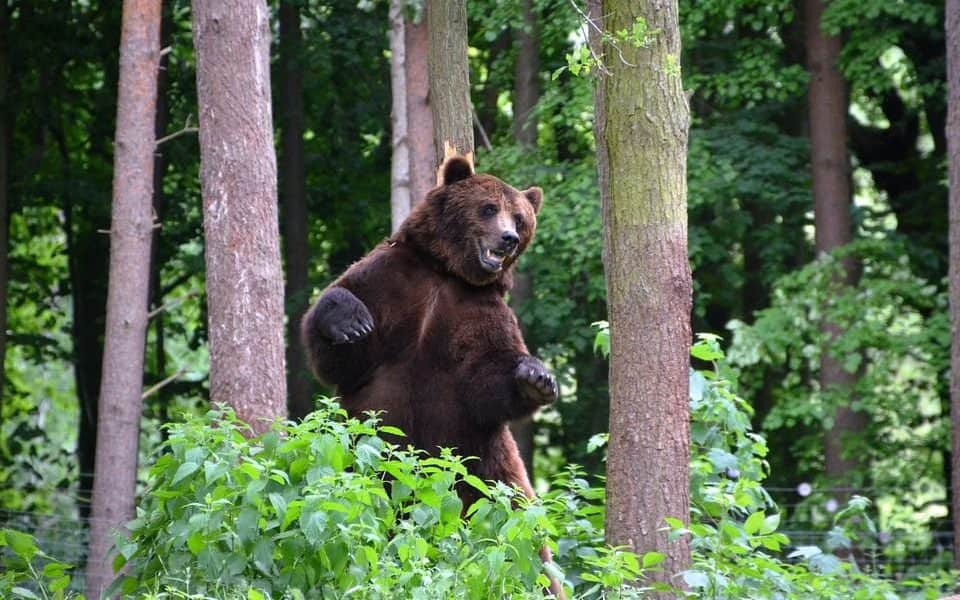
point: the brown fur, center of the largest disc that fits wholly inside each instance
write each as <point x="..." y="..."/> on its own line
<point x="440" y="351"/>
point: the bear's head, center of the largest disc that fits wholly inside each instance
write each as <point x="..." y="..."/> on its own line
<point x="474" y="224"/>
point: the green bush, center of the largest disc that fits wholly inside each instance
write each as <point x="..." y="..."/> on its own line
<point x="328" y="508"/>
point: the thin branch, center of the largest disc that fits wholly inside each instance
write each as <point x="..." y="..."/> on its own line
<point x="177" y="134"/>
<point x="170" y="304"/>
<point x="161" y="384"/>
<point x="186" y="129"/>
<point x="483" y="132"/>
<point x="604" y="37"/>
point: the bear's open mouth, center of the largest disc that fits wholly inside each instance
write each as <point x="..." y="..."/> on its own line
<point x="491" y="259"/>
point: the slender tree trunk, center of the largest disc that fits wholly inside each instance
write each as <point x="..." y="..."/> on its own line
<point x="118" y="428"/>
<point x="6" y="137"/>
<point x="526" y="94"/>
<point x="831" y="197"/>
<point x="400" y="204"/>
<point x="449" y="77"/>
<point x="488" y="110"/>
<point x="238" y="173"/>
<point x="294" y="197"/>
<point x="419" y="114"/>
<point x="953" y="155"/>
<point x="162" y="400"/>
<point x="526" y="91"/>
<point x="641" y="122"/>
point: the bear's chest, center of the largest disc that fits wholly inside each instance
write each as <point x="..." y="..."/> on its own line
<point x="452" y="324"/>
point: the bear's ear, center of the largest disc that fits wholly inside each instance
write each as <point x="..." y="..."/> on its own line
<point x="455" y="168"/>
<point x="535" y="196"/>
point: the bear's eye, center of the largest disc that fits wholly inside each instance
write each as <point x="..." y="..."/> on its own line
<point x="518" y="219"/>
<point x="489" y="210"/>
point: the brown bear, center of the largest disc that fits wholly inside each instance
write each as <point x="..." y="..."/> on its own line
<point x="420" y="330"/>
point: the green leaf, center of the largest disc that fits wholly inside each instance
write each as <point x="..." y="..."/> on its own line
<point x="477" y="483"/>
<point x="185" y="470"/>
<point x="22" y="544"/>
<point x="754" y="522"/>
<point x="652" y="559"/>
<point x="196" y="542"/>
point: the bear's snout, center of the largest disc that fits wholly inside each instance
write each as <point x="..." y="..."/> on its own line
<point x="509" y="240"/>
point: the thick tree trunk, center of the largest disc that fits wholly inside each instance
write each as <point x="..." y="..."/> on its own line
<point x="400" y="204"/>
<point x="526" y="94"/>
<point x="238" y="173"/>
<point x="641" y="122"/>
<point x="419" y="114"/>
<point x="953" y="152"/>
<point x="449" y="77"/>
<point x="293" y="177"/>
<point x="526" y="90"/>
<point x="6" y="137"/>
<point x="831" y="197"/>
<point x="118" y="428"/>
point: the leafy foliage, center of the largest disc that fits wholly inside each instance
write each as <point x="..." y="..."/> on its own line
<point x="329" y="506"/>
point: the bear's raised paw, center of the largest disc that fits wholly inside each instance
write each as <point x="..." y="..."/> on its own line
<point x="535" y="382"/>
<point x="342" y="318"/>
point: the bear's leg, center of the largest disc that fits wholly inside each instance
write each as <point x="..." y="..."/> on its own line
<point x="504" y="464"/>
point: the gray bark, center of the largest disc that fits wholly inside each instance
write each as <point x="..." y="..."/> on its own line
<point x="641" y="128"/>
<point x="832" y="198"/>
<point x="419" y="113"/>
<point x="238" y="173"/>
<point x="131" y="229"/>
<point x="400" y="204"/>
<point x="449" y="79"/>
<point x="953" y="153"/>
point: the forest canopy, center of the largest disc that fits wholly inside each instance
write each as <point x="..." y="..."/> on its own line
<point x="814" y="204"/>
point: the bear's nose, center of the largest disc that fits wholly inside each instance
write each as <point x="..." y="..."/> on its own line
<point x="510" y="240"/>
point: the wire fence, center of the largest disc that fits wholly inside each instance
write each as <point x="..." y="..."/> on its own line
<point x="892" y="554"/>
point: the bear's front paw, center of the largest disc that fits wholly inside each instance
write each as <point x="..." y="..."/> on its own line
<point x="343" y="318"/>
<point x="535" y="382"/>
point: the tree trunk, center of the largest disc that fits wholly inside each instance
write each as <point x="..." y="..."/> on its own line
<point x="953" y="152"/>
<point x="118" y="428"/>
<point x="294" y="198"/>
<point x="642" y="121"/>
<point x="526" y="93"/>
<point x="419" y="114"/>
<point x="6" y="138"/>
<point x="400" y="204"/>
<point x="449" y="76"/>
<point x="831" y="197"/>
<point x="162" y="397"/>
<point x="238" y="174"/>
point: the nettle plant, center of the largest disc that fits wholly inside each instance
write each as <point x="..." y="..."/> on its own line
<point x="329" y="508"/>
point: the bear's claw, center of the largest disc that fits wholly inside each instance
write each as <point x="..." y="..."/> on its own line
<point x="344" y="318"/>
<point x="535" y="382"/>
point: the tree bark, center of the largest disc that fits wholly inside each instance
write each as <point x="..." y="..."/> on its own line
<point x="953" y="154"/>
<point x="419" y="114"/>
<point x="641" y="124"/>
<point x="400" y="204"/>
<point x="294" y="198"/>
<point x="526" y="91"/>
<point x="238" y="174"/>
<point x="831" y="197"/>
<point x="526" y="94"/>
<point x="6" y="123"/>
<point x="449" y="77"/>
<point x="118" y="427"/>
